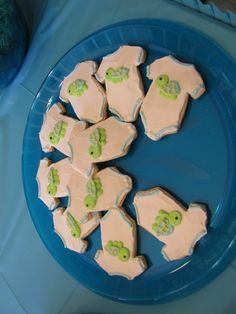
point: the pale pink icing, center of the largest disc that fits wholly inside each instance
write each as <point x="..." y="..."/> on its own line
<point x="119" y="136"/>
<point x="181" y="242"/>
<point x="61" y="228"/>
<point x="52" y="116"/>
<point x="116" y="225"/>
<point x="115" y="187"/>
<point x="67" y="175"/>
<point x="91" y="106"/>
<point x="160" y="115"/>
<point x="65" y="171"/>
<point x="124" y="98"/>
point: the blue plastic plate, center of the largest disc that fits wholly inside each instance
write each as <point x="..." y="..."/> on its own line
<point x="197" y="164"/>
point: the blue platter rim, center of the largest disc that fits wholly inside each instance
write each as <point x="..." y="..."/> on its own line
<point x="229" y="253"/>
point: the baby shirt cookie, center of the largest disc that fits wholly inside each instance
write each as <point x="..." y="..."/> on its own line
<point x="52" y="179"/>
<point x="107" y="140"/>
<point x="84" y="92"/>
<point x="119" y="242"/>
<point x="104" y="190"/>
<point x="56" y="129"/>
<point x="124" y="85"/>
<point x="167" y="220"/>
<point x="164" y="105"/>
<point x="71" y="232"/>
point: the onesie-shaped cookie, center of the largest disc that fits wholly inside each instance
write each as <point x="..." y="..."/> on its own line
<point x="52" y="179"/>
<point x="119" y="242"/>
<point x="84" y="92"/>
<point x="55" y="180"/>
<point x="57" y="128"/>
<point x="71" y="232"/>
<point x="167" y="220"/>
<point x="164" y="105"/>
<point x="124" y="85"/>
<point x="107" y="140"/>
<point x="104" y="190"/>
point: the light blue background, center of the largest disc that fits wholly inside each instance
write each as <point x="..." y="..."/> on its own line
<point x="30" y="280"/>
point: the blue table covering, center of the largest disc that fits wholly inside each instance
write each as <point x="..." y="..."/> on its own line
<point x="30" y="280"/>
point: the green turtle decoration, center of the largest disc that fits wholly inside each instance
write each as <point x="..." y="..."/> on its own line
<point x="77" y="88"/>
<point x="58" y="132"/>
<point x="165" y="222"/>
<point x="97" y="139"/>
<point x="168" y="89"/>
<point x="116" y="248"/>
<point x="73" y="225"/>
<point x="53" y="181"/>
<point x="117" y="75"/>
<point x="94" y="190"/>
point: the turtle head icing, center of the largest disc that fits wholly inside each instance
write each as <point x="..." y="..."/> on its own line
<point x="124" y="254"/>
<point x="90" y="201"/>
<point x="53" y="138"/>
<point x="52" y="189"/>
<point x="77" y="88"/>
<point x="109" y="74"/>
<point x="175" y="218"/>
<point x="94" y="151"/>
<point x="162" y="80"/>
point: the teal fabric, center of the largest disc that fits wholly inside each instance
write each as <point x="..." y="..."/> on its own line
<point x="30" y="280"/>
<point x="212" y="10"/>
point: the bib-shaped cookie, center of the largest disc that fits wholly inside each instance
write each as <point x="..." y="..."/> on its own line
<point x="167" y="220"/>
<point x="123" y="82"/>
<point x="57" y="128"/>
<point x="104" y="190"/>
<point x="119" y="242"/>
<point x="107" y="140"/>
<point x="164" y="105"/>
<point x="71" y="232"/>
<point x="84" y="92"/>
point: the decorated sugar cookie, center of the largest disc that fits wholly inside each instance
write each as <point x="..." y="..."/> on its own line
<point x="107" y="140"/>
<point x="52" y="179"/>
<point x="102" y="191"/>
<point x="84" y="92"/>
<point x="164" y="105"/>
<point x="167" y="220"/>
<point x="124" y="86"/>
<point x="72" y="232"/>
<point x="119" y="241"/>
<point x="57" y="128"/>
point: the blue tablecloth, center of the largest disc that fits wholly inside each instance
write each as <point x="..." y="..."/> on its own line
<point x="30" y="280"/>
